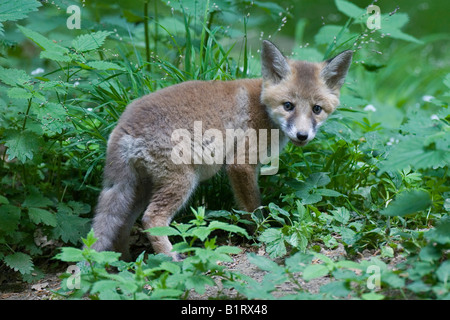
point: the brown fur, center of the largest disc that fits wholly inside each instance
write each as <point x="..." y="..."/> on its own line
<point x="139" y="174"/>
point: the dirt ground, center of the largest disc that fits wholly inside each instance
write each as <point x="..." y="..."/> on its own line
<point x="12" y="288"/>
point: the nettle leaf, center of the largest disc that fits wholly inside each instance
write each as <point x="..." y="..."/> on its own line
<point x="199" y="282"/>
<point x="91" y="41"/>
<point x="318" y="179"/>
<point x="38" y="215"/>
<point x="329" y="33"/>
<point x="70" y="228"/>
<point x="19" y="262"/>
<point x="391" y="24"/>
<point x="51" y="51"/>
<point x="13" y="77"/>
<point x="314" y="271"/>
<point x="214" y="225"/>
<point x="9" y="218"/>
<point x="104" y="65"/>
<point x="17" y="10"/>
<point x="163" y="231"/>
<point x="412" y="151"/>
<point x="408" y="202"/>
<point x="53" y="117"/>
<point x="36" y="200"/>
<point x="341" y="215"/>
<point x="349" y="9"/>
<point x="21" y="144"/>
<point x="70" y="255"/>
<point x="18" y="93"/>
<point x="274" y="240"/>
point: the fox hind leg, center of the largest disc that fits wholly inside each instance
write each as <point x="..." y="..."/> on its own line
<point x="120" y="203"/>
<point x="168" y="198"/>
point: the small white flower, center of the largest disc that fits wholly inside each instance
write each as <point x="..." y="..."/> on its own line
<point x="392" y="141"/>
<point x="427" y="98"/>
<point x="89" y="109"/>
<point x="37" y="71"/>
<point x="434" y="117"/>
<point x="370" y="107"/>
<point x="76" y="84"/>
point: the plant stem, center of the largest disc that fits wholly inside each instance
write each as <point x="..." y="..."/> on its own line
<point x="155" y="36"/>
<point x="26" y="115"/>
<point x="147" y="36"/>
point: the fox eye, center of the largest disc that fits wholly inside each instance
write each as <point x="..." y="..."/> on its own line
<point x="317" y="109"/>
<point x="288" y="106"/>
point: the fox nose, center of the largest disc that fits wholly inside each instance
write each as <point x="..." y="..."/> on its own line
<point x="302" y="136"/>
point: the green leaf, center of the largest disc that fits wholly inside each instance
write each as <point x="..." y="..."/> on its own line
<point x="408" y="202"/>
<point x="393" y="280"/>
<point x="214" y="225"/>
<point x="68" y="254"/>
<point x="447" y="80"/>
<point x="103" y="258"/>
<point x="228" y="250"/>
<point x="70" y="228"/>
<point x="349" y="9"/>
<point x="443" y="272"/>
<point x="107" y="289"/>
<point x="90" y="239"/>
<point x="430" y="253"/>
<point x="104" y="65"/>
<point x="53" y="50"/>
<point x="17" y="9"/>
<point x="328" y="33"/>
<point x="19" y="262"/>
<point x="202" y="233"/>
<point x="21" y="144"/>
<point x="198" y="283"/>
<point x="441" y="232"/>
<point x="9" y="218"/>
<point x="336" y="288"/>
<point x="318" y="179"/>
<point x="163" y="231"/>
<point x="55" y="56"/>
<point x="91" y="41"/>
<point x="3" y="200"/>
<point x="166" y="293"/>
<point x="391" y="24"/>
<point x="314" y="271"/>
<point x="328" y="193"/>
<point x="298" y="262"/>
<point x="38" y="215"/>
<point x="36" y="200"/>
<point x="53" y="117"/>
<point x="341" y="215"/>
<point x="13" y="77"/>
<point x="263" y="263"/>
<point x="18" y="93"/>
<point x="372" y="296"/>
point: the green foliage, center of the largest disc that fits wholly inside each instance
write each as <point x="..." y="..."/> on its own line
<point x="376" y="178"/>
<point x="154" y="277"/>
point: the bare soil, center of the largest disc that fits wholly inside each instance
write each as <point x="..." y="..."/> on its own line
<point x="12" y="286"/>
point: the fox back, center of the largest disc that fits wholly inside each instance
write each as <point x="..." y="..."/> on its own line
<point x="167" y="142"/>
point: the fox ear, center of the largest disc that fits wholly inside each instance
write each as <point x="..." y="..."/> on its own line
<point x="274" y="66"/>
<point x="336" y="69"/>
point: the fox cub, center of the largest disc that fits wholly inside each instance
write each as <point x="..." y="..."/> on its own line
<point x="143" y="173"/>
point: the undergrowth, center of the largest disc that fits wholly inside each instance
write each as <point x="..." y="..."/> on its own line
<point x="375" y="179"/>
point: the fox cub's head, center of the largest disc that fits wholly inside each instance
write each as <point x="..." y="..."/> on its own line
<point x="300" y="95"/>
